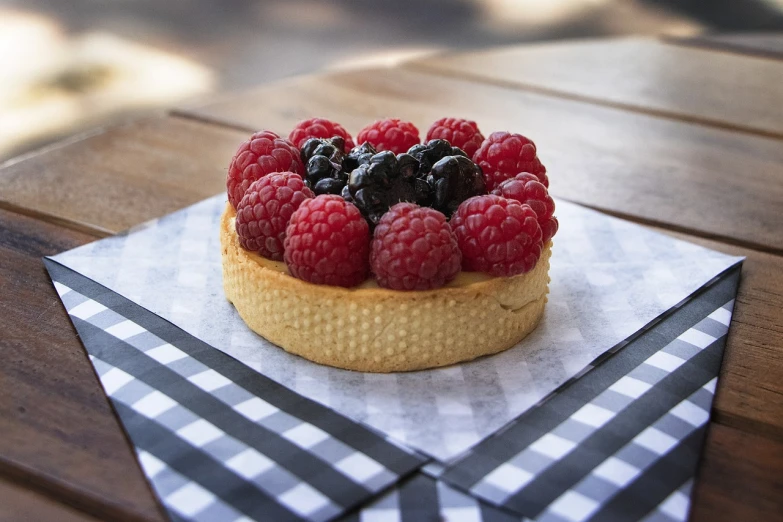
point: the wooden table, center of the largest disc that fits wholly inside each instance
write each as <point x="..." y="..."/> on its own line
<point x="687" y="139"/>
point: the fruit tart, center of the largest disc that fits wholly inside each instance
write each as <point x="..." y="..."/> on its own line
<point x="391" y="254"/>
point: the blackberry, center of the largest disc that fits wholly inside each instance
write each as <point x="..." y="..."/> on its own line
<point x="428" y="154"/>
<point x="324" y="164"/>
<point x="454" y="179"/>
<point x="410" y="169"/>
<point x="331" y="148"/>
<point x="358" y="156"/>
<point x="383" y="181"/>
<point x="331" y="185"/>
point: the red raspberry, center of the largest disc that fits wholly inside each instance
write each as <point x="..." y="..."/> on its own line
<point x="504" y="155"/>
<point x="390" y="134"/>
<point x="460" y="133"/>
<point x="263" y="153"/>
<point x="319" y="128"/>
<point x="328" y="242"/>
<point x="264" y="212"/>
<point x="413" y="248"/>
<point x="526" y="188"/>
<point x="498" y="236"/>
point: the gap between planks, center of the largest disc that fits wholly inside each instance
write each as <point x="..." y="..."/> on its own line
<point x="423" y="68"/>
<point x="183" y="114"/>
<point x="78" y="226"/>
<point x="705" y="43"/>
<point x="65" y="494"/>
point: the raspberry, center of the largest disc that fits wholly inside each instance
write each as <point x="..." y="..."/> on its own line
<point x="391" y="134"/>
<point x="463" y="134"/>
<point x="498" y="236"/>
<point x="263" y="153"/>
<point x="504" y="155"/>
<point x="264" y="212"/>
<point x="526" y="188"/>
<point x="413" y="248"/>
<point x="328" y="242"/>
<point x="319" y="128"/>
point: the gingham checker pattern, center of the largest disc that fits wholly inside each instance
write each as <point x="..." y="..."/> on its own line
<point x="656" y="445"/>
<point x="604" y="446"/>
<point x="513" y="475"/>
<point x="231" y="452"/>
<point x="247" y="463"/>
<point x="182" y="496"/>
<point x="423" y="498"/>
<point x="675" y="507"/>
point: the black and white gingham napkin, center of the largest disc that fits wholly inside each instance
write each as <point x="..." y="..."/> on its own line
<point x="424" y="497"/>
<point x="623" y="438"/>
<point x="217" y="440"/>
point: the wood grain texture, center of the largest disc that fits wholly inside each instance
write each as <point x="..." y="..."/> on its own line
<point x="18" y="503"/>
<point x="766" y="45"/>
<point x="701" y="180"/>
<point x="123" y="176"/>
<point x="696" y="84"/>
<point x="740" y="478"/>
<point x="58" y="432"/>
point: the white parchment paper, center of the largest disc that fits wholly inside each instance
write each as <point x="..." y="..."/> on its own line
<point x="609" y="278"/>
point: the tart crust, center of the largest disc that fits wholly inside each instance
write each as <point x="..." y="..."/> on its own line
<point x="373" y="329"/>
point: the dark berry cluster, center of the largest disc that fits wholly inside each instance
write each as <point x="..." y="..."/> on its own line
<point x="433" y="174"/>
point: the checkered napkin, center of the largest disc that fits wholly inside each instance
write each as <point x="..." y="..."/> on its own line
<point x="620" y="442"/>
<point x="218" y="441"/>
<point x="424" y="497"/>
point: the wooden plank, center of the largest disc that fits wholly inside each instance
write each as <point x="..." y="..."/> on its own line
<point x="701" y="180"/>
<point x="740" y="478"/>
<point x="766" y="45"/>
<point x="694" y="84"/>
<point x="123" y="176"/>
<point x="18" y="503"/>
<point x="58" y="432"/>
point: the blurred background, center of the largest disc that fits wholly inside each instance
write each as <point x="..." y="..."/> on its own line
<point x="71" y="65"/>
